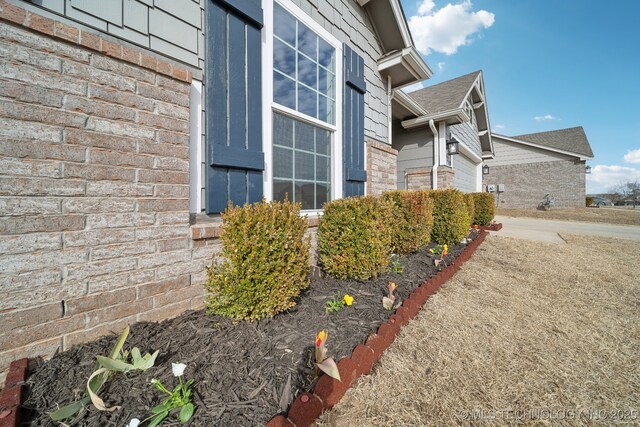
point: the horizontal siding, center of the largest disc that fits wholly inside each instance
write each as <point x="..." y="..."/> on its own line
<point x="415" y="150"/>
<point x="467" y="133"/>
<point x="169" y="27"/>
<point x="511" y="153"/>
<point x="465" y="173"/>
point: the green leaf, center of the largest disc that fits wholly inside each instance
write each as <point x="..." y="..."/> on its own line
<point x="120" y="343"/>
<point x="114" y="365"/>
<point x="147" y="361"/>
<point x="186" y="412"/>
<point x="135" y="353"/>
<point x="329" y="367"/>
<point x="165" y="406"/>
<point x="69" y="410"/>
<point x="155" y="421"/>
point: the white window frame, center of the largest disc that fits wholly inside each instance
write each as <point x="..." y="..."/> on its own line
<point x="270" y="107"/>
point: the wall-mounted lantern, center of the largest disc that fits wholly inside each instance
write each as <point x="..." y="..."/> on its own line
<point x="587" y="170"/>
<point x="453" y="146"/>
<point x="485" y="169"/>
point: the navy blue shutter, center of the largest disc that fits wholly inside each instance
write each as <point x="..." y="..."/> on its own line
<point x="355" y="174"/>
<point x="234" y="156"/>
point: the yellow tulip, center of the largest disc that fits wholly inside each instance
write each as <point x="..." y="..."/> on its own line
<point x="321" y="337"/>
<point x="348" y="299"/>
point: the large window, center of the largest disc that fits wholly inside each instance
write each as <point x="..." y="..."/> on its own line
<point x="304" y="116"/>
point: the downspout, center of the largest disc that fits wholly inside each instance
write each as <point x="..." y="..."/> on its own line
<point x="436" y="156"/>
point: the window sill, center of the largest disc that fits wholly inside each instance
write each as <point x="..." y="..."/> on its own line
<point x="204" y="226"/>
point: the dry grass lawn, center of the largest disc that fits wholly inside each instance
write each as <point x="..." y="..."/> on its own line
<point x="522" y="329"/>
<point x="611" y="215"/>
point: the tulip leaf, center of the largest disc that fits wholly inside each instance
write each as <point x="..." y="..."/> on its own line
<point x="186" y="412"/>
<point x="95" y="399"/>
<point x="114" y="365"/>
<point x="387" y="303"/>
<point x="69" y="410"/>
<point x="120" y="343"/>
<point x="135" y="354"/>
<point x="329" y="367"/>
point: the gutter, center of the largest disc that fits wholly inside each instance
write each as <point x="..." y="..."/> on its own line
<point x="436" y="156"/>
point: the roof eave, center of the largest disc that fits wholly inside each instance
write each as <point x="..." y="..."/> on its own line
<point x="451" y="117"/>
<point x="407" y="102"/>
<point x="404" y="67"/>
<point x="542" y="147"/>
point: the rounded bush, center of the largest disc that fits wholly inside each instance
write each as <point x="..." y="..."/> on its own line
<point x="588" y="201"/>
<point x="451" y="220"/>
<point x="412" y="219"/>
<point x="354" y="237"/>
<point x="264" y="261"/>
<point x="470" y="203"/>
<point x="485" y="208"/>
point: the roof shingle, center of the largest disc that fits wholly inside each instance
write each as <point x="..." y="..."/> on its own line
<point x="444" y="96"/>
<point x="573" y="140"/>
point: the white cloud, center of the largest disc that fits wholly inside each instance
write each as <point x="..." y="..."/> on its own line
<point x="499" y="127"/>
<point x="604" y="178"/>
<point x="446" y="29"/>
<point x="632" y="156"/>
<point x="413" y="87"/>
<point x="545" y="118"/>
<point x="441" y="66"/>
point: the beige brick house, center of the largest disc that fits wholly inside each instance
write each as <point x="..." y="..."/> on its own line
<point x="533" y="165"/>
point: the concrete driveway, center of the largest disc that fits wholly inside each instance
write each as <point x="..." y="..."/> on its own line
<point x="547" y="230"/>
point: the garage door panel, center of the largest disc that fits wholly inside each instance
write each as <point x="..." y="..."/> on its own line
<point x="465" y="173"/>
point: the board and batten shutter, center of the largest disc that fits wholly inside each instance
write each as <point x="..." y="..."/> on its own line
<point x="233" y="99"/>
<point x="355" y="174"/>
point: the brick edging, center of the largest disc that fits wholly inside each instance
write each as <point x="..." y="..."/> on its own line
<point x="89" y="40"/>
<point x="307" y="407"/>
<point x="11" y="396"/>
<point x="492" y="227"/>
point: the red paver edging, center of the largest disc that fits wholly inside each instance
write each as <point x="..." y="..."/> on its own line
<point x="492" y="227"/>
<point x="307" y="407"/>
<point x="11" y="396"/>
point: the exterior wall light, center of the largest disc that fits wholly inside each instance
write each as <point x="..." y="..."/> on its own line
<point x="587" y="170"/>
<point x="485" y="169"/>
<point x="453" y="146"/>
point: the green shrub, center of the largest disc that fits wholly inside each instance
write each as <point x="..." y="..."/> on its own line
<point x="354" y="237"/>
<point x="265" y="261"/>
<point x="470" y="203"/>
<point x="412" y="219"/>
<point x="451" y="220"/>
<point x="485" y="208"/>
<point x="588" y="201"/>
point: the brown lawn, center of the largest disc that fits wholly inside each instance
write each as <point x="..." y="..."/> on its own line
<point x="524" y="328"/>
<point x="611" y="215"/>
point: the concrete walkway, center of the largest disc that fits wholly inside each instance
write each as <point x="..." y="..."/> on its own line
<point x="545" y="230"/>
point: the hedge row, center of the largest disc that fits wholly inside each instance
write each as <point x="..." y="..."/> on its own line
<point x="264" y="261"/>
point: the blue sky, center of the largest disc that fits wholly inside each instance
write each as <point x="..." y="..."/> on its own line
<point x="547" y="65"/>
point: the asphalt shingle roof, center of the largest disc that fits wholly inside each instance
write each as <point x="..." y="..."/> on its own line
<point x="444" y="96"/>
<point x="573" y="140"/>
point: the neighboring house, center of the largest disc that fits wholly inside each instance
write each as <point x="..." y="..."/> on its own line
<point x="123" y="123"/>
<point x="534" y="165"/>
<point x="426" y="119"/>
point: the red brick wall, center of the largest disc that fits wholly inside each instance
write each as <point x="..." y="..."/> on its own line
<point x="94" y="187"/>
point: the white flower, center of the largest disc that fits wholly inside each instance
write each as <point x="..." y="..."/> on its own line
<point x="178" y="369"/>
<point x="133" y="423"/>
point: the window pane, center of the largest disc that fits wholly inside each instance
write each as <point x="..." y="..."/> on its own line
<point x="284" y="25"/>
<point x="282" y="130"/>
<point x="323" y="142"/>
<point x="284" y="58"/>
<point x="322" y="194"/>
<point x="284" y="90"/>
<point x="323" y="113"/>
<point x="326" y="54"/>
<point x="307" y="41"/>
<point x="305" y="194"/>
<point x="322" y="168"/>
<point x="282" y="188"/>
<point x="282" y="162"/>
<point x="307" y="72"/>
<point x="305" y="136"/>
<point x="307" y="101"/>
<point x="304" y="165"/>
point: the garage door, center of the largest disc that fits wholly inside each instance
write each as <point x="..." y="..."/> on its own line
<point x="465" y="173"/>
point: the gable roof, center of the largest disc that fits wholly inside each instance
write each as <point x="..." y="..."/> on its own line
<point x="573" y="140"/>
<point x="445" y="96"/>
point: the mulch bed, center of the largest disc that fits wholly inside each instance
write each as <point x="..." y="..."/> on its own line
<point x="245" y="372"/>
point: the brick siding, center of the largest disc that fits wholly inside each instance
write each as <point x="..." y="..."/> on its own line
<point x="381" y="167"/>
<point x="526" y="184"/>
<point x="94" y="187"/>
